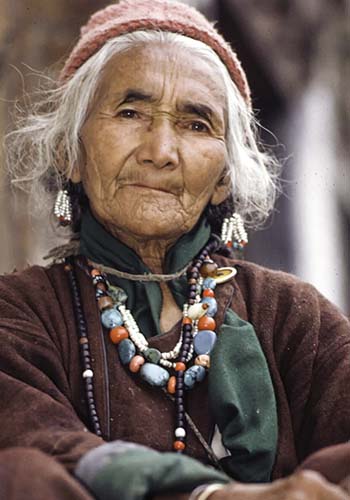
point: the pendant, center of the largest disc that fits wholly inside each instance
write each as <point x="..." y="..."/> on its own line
<point x="224" y="274"/>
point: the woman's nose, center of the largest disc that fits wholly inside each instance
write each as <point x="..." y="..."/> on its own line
<point x="160" y="145"/>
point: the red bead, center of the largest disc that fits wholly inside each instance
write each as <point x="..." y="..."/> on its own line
<point x="95" y="272"/>
<point x="180" y="367"/>
<point x="206" y="323"/>
<point x="208" y="292"/>
<point x="179" y="445"/>
<point x="186" y="321"/>
<point x="118" y="334"/>
<point x="229" y="244"/>
<point x="136" y="363"/>
<point x="171" y="385"/>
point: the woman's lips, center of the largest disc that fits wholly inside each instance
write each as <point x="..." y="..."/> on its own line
<point x="153" y="187"/>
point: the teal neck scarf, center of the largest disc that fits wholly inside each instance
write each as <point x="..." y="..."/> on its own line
<point x="144" y="299"/>
<point x="241" y="394"/>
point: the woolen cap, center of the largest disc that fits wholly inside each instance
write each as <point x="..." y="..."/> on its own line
<point x="165" y="15"/>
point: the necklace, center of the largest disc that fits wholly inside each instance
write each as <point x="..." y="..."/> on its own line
<point x="170" y="369"/>
<point x="197" y="336"/>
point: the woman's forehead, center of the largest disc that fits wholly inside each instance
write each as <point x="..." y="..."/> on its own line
<point x="156" y="70"/>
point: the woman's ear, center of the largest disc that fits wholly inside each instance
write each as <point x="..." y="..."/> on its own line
<point x="222" y="189"/>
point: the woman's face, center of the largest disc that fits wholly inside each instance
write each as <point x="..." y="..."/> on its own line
<point x="154" y="143"/>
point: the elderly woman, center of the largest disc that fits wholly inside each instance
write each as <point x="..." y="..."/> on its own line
<point x="145" y="362"/>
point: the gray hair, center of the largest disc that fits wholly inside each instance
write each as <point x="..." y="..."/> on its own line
<point x="45" y="146"/>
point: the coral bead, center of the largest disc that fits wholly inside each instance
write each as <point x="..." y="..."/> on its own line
<point x="95" y="272"/>
<point x="172" y="385"/>
<point x="208" y="292"/>
<point x="206" y="323"/>
<point x="180" y="366"/>
<point x="186" y="321"/>
<point x="179" y="445"/>
<point x="136" y="363"/>
<point x="118" y="334"/>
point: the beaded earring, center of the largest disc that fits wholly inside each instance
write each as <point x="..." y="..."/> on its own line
<point x="233" y="233"/>
<point x="63" y="208"/>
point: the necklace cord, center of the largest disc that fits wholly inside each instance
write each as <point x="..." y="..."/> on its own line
<point x="140" y="277"/>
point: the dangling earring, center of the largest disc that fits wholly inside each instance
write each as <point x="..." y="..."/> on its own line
<point x="233" y="233"/>
<point x="63" y="208"/>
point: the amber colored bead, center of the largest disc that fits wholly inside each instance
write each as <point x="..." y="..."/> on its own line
<point x="179" y="445"/>
<point x="95" y="272"/>
<point x="171" y="385"/>
<point x="186" y="321"/>
<point x="101" y="286"/>
<point x="67" y="267"/>
<point x="206" y="323"/>
<point x="104" y="302"/>
<point x="118" y="334"/>
<point x="208" y="292"/>
<point x="202" y="360"/>
<point x="192" y="281"/>
<point x="208" y="269"/>
<point x="136" y="363"/>
<point x="180" y="366"/>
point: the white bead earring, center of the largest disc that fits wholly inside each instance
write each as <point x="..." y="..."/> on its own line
<point x="233" y="233"/>
<point x="63" y="208"/>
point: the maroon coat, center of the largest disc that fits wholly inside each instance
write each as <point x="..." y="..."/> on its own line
<point x="306" y="341"/>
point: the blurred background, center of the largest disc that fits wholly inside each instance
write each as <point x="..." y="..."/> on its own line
<point x="296" y="55"/>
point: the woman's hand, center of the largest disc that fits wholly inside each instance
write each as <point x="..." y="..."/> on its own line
<point x="304" y="485"/>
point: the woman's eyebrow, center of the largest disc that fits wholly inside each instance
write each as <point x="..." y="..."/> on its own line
<point x="132" y="95"/>
<point x="199" y="109"/>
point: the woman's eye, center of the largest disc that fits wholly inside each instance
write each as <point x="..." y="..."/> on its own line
<point x="199" y="127"/>
<point x="127" y="113"/>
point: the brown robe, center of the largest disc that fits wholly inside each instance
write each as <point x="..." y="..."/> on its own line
<point x="43" y="415"/>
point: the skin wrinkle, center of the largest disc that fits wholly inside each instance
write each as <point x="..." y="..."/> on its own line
<point x="150" y="168"/>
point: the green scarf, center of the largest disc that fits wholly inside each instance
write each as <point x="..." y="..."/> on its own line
<point x="240" y="388"/>
<point x="144" y="299"/>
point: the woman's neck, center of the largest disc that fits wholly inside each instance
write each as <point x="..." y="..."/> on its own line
<point x="151" y="252"/>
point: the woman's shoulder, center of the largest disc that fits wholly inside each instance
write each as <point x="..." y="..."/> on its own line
<point x="35" y="293"/>
<point x="34" y="279"/>
<point x="276" y="292"/>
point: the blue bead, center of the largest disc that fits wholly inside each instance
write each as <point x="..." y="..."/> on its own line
<point x="154" y="374"/>
<point x="126" y="350"/>
<point x="204" y="341"/>
<point x="213" y="305"/>
<point x="209" y="283"/>
<point x="111" y="318"/>
<point x="193" y="375"/>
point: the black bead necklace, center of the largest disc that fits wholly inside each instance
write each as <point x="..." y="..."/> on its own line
<point x="84" y="347"/>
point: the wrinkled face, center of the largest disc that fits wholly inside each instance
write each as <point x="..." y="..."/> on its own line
<point x="154" y="143"/>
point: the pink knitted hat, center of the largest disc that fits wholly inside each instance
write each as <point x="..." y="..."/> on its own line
<point x="165" y="15"/>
